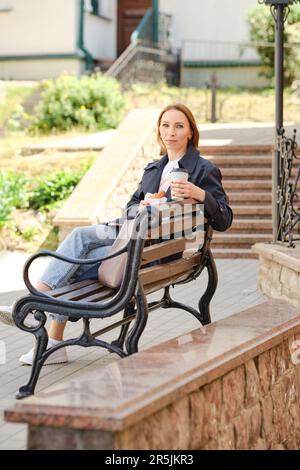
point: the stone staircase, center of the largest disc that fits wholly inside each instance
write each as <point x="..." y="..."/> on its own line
<point x="247" y="179"/>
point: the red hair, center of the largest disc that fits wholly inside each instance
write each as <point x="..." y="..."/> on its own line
<point x="190" y="117"/>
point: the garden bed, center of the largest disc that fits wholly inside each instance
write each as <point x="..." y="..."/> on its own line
<point x="32" y="191"/>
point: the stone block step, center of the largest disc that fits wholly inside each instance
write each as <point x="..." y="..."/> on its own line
<point x="251" y="173"/>
<point x="241" y="239"/>
<point x="251" y="226"/>
<point x="246" y="173"/>
<point x="260" y="185"/>
<point x="252" y="210"/>
<point x="228" y="161"/>
<point x="236" y="149"/>
<point x="233" y="253"/>
<point x="256" y="197"/>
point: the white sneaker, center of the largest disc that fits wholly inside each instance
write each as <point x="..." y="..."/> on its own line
<point x="7" y="318"/>
<point x="58" y="357"/>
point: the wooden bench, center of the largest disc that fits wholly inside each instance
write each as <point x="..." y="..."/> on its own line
<point x="157" y="258"/>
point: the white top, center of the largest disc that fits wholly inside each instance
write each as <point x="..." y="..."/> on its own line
<point x="166" y="175"/>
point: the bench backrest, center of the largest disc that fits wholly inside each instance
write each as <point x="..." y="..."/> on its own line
<point x="176" y="237"/>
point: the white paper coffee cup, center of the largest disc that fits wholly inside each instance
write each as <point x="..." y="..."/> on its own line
<point x="178" y="174"/>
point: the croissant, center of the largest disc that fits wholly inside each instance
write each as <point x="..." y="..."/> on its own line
<point x="158" y="195"/>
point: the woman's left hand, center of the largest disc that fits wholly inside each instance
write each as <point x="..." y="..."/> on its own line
<point x="187" y="190"/>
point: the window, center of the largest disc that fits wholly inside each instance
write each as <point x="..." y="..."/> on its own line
<point x="95" y="7"/>
<point x="102" y="8"/>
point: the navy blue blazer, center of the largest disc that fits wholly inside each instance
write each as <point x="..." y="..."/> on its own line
<point x="202" y="173"/>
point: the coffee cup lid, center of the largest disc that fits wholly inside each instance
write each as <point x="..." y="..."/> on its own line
<point x="181" y="170"/>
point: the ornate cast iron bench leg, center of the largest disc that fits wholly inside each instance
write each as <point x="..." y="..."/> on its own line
<point x="140" y="322"/>
<point x="119" y="342"/>
<point x="210" y="290"/>
<point x="170" y="303"/>
<point x="39" y="358"/>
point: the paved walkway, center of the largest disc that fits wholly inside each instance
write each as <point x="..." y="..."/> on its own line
<point x="236" y="292"/>
<point x="219" y="134"/>
<point x="93" y="141"/>
<point x="261" y="133"/>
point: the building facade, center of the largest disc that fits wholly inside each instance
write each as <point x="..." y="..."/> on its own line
<point x="43" y="39"/>
<point x="212" y="37"/>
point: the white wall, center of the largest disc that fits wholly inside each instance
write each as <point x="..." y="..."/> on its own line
<point x="212" y="20"/>
<point x="38" y="27"/>
<point x="100" y="35"/>
<point x="226" y="77"/>
<point x="39" y="69"/>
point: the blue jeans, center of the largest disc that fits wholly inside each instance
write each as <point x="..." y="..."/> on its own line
<point x="84" y="243"/>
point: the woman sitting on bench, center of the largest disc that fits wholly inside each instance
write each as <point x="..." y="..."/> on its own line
<point x="178" y="137"/>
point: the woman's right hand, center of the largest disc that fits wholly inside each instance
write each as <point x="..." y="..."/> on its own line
<point x="143" y="204"/>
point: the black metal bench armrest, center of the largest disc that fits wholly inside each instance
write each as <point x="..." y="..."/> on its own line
<point x="58" y="256"/>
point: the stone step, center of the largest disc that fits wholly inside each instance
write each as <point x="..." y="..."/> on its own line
<point x="246" y="173"/>
<point x="261" y="185"/>
<point x="236" y="197"/>
<point x="247" y="179"/>
<point x="224" y="161"/>
<point x="236" y="149"/>
<point x="233" y="253"/>
<point x="251" y="210"/>
<point x="240" y="240"/>
<point x="251" y="173"/>
<point x="240" y="237"/>
<point x="251" y="226"/>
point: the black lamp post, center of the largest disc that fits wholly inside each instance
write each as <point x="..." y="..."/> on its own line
<point x="279" y="9"/>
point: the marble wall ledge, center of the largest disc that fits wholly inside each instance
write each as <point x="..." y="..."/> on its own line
<point x="126" y="391"/>
<point x="289" y="257"/>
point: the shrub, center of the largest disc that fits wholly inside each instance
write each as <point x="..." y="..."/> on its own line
<point x="12" y="194"/>
<point x="5" y="210"/>
<point x="90" y="102"/>
<point x="19" y="119"/>
<point x="29" y="233"/>
<point x="53" y="188"/>
<point x="13" y="187"/>
<point x="262" y="30"/>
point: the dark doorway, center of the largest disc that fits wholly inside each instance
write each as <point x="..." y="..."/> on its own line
<point x="130" y="13"/>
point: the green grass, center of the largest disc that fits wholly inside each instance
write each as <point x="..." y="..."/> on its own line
<point x="234" y="105"/>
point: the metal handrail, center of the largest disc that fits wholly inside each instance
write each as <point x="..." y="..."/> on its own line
<point x="287" y="190"/>
<point x="138" y="32"/>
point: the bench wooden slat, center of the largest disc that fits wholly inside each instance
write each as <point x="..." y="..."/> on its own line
<point x="84" y="292"/>
<point x="155" y="286"/>
<point x="71" y="287"/>
<point x="163" y="249"/>
<point x="172" y="226"/>
<point x="179" y="208"/>
<point x="171" y="247"/>
<point x="168" y="270"/>
<point x="104" y="294"/>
